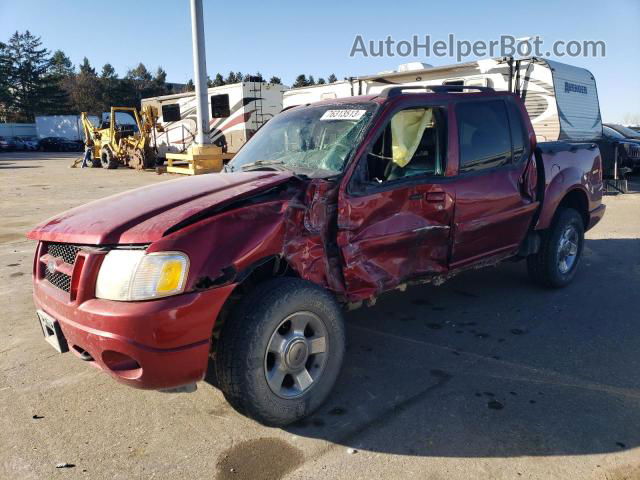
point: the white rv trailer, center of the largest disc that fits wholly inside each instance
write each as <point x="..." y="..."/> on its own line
<point x="236" y="111"/>
<point x="562" y="100"/>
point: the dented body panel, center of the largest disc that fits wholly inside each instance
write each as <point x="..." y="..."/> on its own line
<point x="356" y="242"/>
<point x="571" y="168"/>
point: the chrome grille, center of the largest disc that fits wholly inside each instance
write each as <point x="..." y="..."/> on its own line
<point x="64" y="251"/>
<point x="633" y="151"/>
<point x="59" y="279"/>
<point x="68" y="254"/>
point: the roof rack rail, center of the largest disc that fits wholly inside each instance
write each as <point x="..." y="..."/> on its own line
<point x="395" y="91"/>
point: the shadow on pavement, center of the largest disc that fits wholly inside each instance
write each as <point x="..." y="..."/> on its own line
<point x="8" y="165"/>
<point x="488" y="365"/>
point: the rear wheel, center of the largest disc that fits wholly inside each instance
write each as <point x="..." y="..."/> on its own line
<point x="556" y="263"/>
<point x="280" y="352"/>
<point x="107" y="160"/>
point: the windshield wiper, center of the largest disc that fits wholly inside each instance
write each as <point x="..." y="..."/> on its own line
<point x="261" y="163"/>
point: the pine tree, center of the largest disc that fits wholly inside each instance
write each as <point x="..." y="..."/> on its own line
<point x="32" y="90"/>
<point x="321" y="81"/>
<point x="301" y="81"/>
<point x="231" y="78"/>
<point x="86" y="67"/>
<point x="218" y="81"/>
<point x="189" y="86"/>
<point x="61" y="65"/>
<point x="275" y="80"/>
<point x="332" y="78"/>
<point x="5" y="93"/>
<point x="85" y="90"/>
<point x="138" y="85"/>
<point x="111" y="91"/>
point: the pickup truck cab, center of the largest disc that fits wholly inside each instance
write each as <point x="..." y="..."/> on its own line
<point x="327" y="207"/>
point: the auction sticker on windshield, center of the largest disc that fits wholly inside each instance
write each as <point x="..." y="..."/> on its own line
<point x="343" y="114"/>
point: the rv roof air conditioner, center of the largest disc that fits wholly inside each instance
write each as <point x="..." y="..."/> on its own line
<point x="411" y="66"/>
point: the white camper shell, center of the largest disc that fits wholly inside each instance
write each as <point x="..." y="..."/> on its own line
<point x="562" y="100"/>
<point x="236" y="112"/>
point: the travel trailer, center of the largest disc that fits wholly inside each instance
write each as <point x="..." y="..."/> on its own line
<point x="236" y="112"/>
<point x="562" y="100"/>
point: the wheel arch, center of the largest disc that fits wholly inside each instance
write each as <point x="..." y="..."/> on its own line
<point x="266" y="268"/>
<point x="575" y="197"/>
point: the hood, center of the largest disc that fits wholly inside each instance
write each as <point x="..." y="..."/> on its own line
<point x="143" y="215"/>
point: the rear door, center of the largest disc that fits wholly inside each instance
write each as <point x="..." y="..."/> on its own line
<point x="494" y="199"/>
<point x="395" y="216"/>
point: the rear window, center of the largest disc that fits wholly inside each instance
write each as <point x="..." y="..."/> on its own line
<point x="484" y="135"/>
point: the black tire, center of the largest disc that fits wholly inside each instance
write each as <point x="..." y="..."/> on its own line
<point x="545" y="267"/>
<point x="106" y="159"/>
<point x="242" y="358"/>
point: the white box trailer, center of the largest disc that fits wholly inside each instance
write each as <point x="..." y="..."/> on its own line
<point x="236" y="112"/>
<point x="66" y="126"/>
<point x="562" y="100"/>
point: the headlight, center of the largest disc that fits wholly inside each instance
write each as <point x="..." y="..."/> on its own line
<point x="136" y="275"/>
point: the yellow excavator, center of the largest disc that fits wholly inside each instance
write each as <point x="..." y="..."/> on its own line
<point x="114" y="143"/>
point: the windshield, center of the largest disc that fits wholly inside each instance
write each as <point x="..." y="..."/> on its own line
<point x="626" y="131"/>
<point x="315" y="140"/>
<point x="611" y="133"/>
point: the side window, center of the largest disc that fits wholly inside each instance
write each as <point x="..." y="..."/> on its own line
<point x="220" y="106"/>
<point x="413" y="143"/>
<point x="484" y="135"/>
<point x="519" y="138"/>
<point x="171" y="112"/>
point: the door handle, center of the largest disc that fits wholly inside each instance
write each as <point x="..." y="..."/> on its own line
<point x="435" y="197"/>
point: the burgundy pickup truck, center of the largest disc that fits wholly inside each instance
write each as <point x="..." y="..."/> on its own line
<point x="327" y="207"/>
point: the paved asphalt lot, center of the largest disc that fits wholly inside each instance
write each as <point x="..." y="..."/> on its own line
<point x="485" y="376"/>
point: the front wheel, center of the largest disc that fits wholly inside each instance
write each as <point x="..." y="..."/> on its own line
<point x="556" y="263"/>
<point x="280" y="352"/>
<point x="107" y="160"/>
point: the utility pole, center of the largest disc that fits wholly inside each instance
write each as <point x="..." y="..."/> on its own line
<point x="201" y="156"/>
<point x="200" y="73"/>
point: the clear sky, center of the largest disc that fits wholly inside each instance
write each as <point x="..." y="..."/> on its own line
<point x="285" y="38"/>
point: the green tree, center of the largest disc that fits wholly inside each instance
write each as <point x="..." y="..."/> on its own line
<point x="275" y="80"/>
<point x="138" y="84"/>
<point x="301" y="81"/>
<point x="5" y="92"/>
<point x="160" y="78"/>
<point x="61" y="65"/>
<point x="189" y="86"/>
<point x="332" y="78"/>
<point x="159" y="84"/>
<point x="321" y="81"/>
<point x="231" y="78"/>
<point x="86" y="67"/>
<point x="32" y="89"/>
<point x="111" y="90"/>
<point x="85" y="90"/>
<point x="218" y="81"/>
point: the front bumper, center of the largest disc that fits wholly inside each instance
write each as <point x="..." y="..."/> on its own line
<point x="155" y="344"/>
